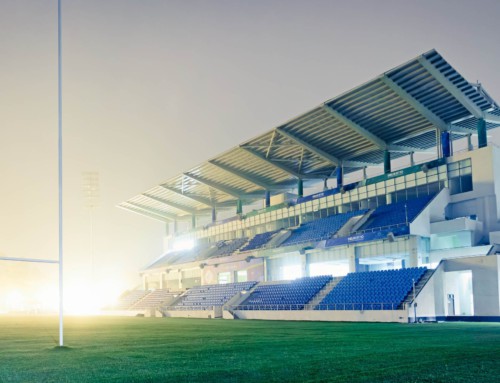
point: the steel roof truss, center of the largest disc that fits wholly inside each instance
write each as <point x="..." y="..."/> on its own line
<point x="153" y="211"/>
<point x="215" y="185"/>
<point x="279" y="166"/>
<point x="145" y="213"/>
<point x="451" y="88"/>
<point x="420" y="108"/>
<point x="377" y="141"/>
<point x="241" y="175"/>
<point x="204" y="201"/>
<point x="185" y="209"/>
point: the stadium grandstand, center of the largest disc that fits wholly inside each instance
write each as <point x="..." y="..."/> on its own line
<point x="381" y="204"/>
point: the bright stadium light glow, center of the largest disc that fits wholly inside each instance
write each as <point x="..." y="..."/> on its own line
<point x="84" y="299"/>
<point x="292" y="272"/>
<point x="15" y="301"/>
<point x="184" y="244"/>
<point x="47" y="299"/>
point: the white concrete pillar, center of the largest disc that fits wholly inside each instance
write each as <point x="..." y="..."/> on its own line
<point x="179" y="273"/>
<point x="304" y="269"/>
<point x="413" y="251"/>
<point x="351" y="256"/>
<point x="265" y="269"/>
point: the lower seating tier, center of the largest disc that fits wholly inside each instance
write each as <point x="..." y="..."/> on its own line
<point x="285" y="296"/>
<point x="372" y="290"/>
<point x="205" y="297"/>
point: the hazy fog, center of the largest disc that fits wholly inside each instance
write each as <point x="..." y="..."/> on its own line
<point x="152" y="88"/>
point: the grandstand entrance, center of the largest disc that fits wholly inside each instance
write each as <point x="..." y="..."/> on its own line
<point x="380" y="263"/>
<point x="334" y="268"/>
<point x="458" y="293"/>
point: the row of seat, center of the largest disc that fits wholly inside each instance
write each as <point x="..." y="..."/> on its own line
<point x="154" y="299"/>
<point x="320" y="229"/>
<point x="296" y="293"/>
<point x="396" y="213"/>
<point x="259" y="240"/>
<point x="314" y="231"/>
<point x="204" y="297"/>
<point x="388" y="287"/>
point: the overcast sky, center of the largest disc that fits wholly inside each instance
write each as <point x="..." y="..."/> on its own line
<point x="152" y="88"/>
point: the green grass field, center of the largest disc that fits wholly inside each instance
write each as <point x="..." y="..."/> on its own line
<point x="108" y="349"/>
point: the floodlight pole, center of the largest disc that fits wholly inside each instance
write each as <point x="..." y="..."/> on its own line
<point x="60" y="173"/>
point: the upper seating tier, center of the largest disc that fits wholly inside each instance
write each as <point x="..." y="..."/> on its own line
<point x="396" y="213"/>
<point x="320" y="229"/>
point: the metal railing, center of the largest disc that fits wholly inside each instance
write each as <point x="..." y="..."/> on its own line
<point x="320" y="307"/>
<point x="380" y="228"/>
<point x="190" y="308"/>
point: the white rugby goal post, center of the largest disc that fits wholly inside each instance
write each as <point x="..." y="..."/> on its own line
<point x="60" y="184"/>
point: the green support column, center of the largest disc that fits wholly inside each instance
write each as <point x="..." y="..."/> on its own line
<point x="193" y="221"/>
<point x="482" y="139"/>
<point x="239" y="207"/>
<point x="214" y="214"/>
<point x="387" y="161"/>
<point x="300" y="188"/>
<point x="268" y="198"/>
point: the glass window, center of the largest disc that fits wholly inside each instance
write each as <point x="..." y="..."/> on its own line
<point x="241" y="276"/>
<point x="224" y="278"/>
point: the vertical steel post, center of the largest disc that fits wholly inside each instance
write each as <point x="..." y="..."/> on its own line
<point x="60" y="173"/>
<point x="482" y="138"/>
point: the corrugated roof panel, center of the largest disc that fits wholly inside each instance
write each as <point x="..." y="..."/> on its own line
<point x="353" y="126"/>
<point x="240" y="160"/>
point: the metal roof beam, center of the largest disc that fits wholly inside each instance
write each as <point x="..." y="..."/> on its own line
<point x="145" y="213"/>
<point x="377" y="141"/>
<point x="488" y="117"/>
<point x="414" y="103"/>
<point x="215" y="185"/>
<point x="306" y="145"/>
<point x="461" y="130"/>
<point x="451" y="88"/>
<point x="246" y="177"/>
<point x="152" y="210"/>
<point x="409" y="149"/>
<point x="204" y="201"/>
<point x="281" y="167"/>
<point x="185" y="209"/>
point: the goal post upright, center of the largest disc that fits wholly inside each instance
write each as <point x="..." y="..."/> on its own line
<point x="60" y="172"/>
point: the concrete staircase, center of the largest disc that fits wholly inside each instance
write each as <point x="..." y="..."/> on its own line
<point x="164" y="307"/>
<point x="278" y="239"/>
<point x="360" y="222"/>
<point x="238" y="299"/>
<point x="313" y="303"/>
<point x="418" y="287"/>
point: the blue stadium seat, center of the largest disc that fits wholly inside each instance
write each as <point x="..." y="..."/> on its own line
<point x="205" y="297"/>
<point x="285" y="296"/>
<point x="320" y="229"/>
<point x="373" y="290"/>
<point x="396" y="213"/>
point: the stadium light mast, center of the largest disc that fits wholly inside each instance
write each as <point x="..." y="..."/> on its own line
<point x="60" y="172"/>
<point x="91" y="201"/>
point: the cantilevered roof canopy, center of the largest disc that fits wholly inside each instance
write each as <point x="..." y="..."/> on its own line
<point x="400" y="111"/>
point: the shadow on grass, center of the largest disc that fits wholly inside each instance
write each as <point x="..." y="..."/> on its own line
<point x="62" y="348"/>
